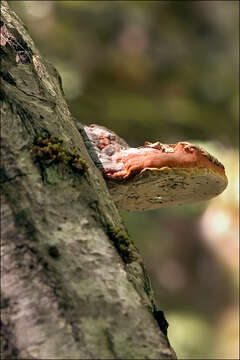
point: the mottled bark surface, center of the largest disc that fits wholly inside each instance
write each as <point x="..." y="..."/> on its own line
<point x="73" y="285"/>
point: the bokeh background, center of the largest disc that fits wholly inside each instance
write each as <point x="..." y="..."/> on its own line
<point x="166" y="71"/>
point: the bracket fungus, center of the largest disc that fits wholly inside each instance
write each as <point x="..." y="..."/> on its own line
<point x="156" y="174"/>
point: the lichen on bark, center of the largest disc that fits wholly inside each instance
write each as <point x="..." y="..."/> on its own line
<point x="67" y="292"/>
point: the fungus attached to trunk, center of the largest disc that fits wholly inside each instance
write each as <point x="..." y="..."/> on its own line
<point x="156" y="174"/>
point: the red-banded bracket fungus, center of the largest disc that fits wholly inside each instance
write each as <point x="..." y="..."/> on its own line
<point x="156" y="174"/>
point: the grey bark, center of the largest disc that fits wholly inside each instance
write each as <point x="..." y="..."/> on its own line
<point x="68" y="289"/>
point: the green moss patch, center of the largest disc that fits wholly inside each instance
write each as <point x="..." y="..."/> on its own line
<point x="123" y="244"/>
<point x="51" y="150"/>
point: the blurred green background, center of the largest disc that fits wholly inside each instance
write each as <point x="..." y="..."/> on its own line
<point x="166" y="71"/>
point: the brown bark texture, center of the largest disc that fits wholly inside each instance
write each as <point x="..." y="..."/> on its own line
<point x="73" y="286"/>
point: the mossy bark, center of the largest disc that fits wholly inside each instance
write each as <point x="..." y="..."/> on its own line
<point x="73" y="284"/>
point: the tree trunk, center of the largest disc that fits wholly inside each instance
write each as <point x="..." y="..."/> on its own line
<point x="73" y="284"/>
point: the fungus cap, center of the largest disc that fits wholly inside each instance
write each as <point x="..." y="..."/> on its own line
<point x="156" y="175"/>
